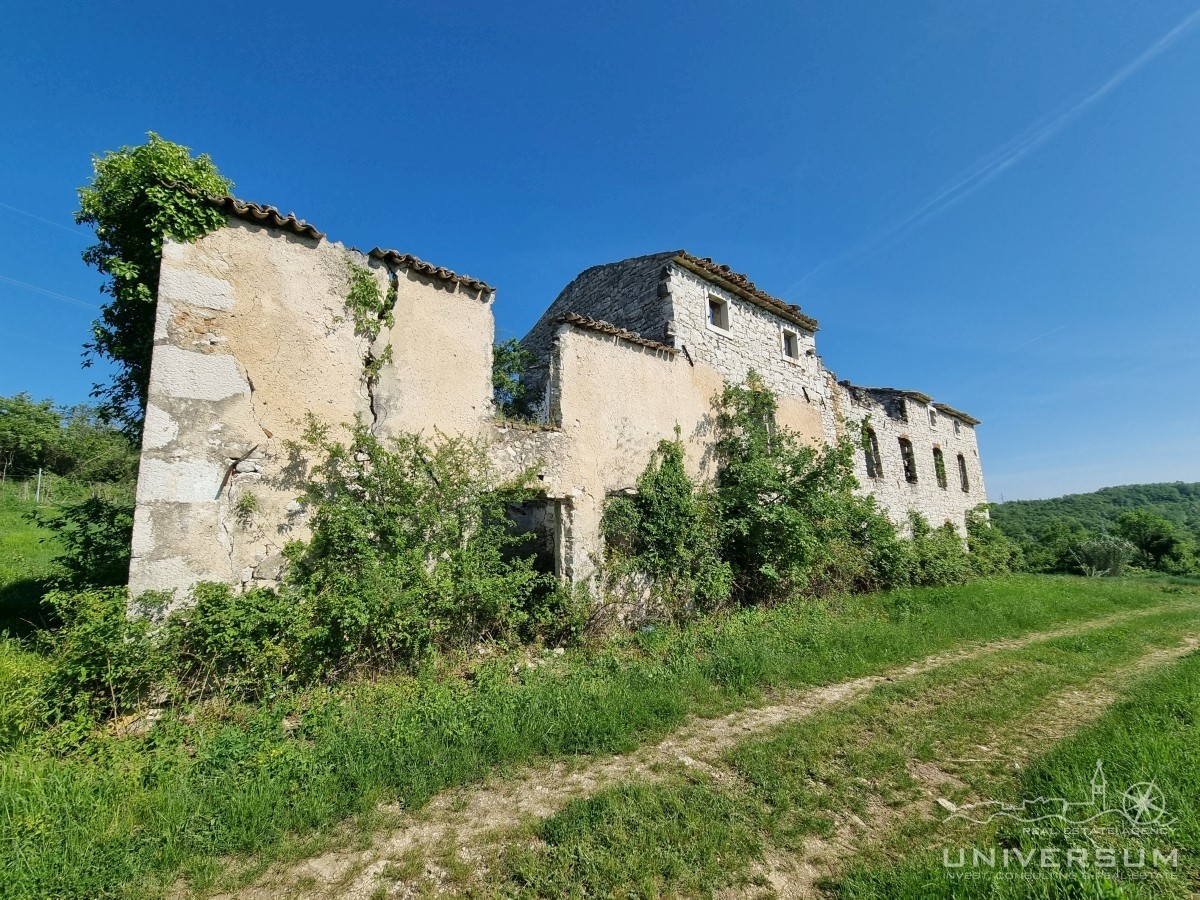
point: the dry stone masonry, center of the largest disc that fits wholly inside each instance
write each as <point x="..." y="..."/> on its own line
<point x="253" y="338"/>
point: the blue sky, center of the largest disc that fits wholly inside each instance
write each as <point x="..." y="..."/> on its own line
<point x="1052" y="293"/>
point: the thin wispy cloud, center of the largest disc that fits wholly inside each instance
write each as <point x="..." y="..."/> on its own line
<point x="993" y="164"/>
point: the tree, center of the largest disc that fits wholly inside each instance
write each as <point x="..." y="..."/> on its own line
<point x="1154" y="537"/>
<point x="138" y="196"/>
<point x="92" y="450"/>
<point x="29" y="432"/>
<point x="510" y="362"/>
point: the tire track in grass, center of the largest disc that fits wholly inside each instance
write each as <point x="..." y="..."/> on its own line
<point x="1062" y="713"/>
<point x="465" y="816"/>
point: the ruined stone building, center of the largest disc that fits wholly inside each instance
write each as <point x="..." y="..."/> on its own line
<point x="253" y="334"/>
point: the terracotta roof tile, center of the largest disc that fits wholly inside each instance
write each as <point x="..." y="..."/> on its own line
<point x="266" y="215"/>
<point x="737" y="283"/>
<point x="408" y="261"/>
<point x="273" y="218"/>
<point x="608" y="328"/>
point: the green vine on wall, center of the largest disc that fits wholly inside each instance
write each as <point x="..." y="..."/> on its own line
<point x="370" y="309"/>
<point x="138" y="197"/>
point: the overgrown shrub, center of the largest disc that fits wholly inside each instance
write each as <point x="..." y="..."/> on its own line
<point x="785" y="518"/>
<point x="102" y="662"/>
<point x="939" y="555"/>
<point x="1103" y="555"/>
<point x="239" y="645"/>
<point x="992" y="551"/>
<point x="789" y="518"/>
<point x="666" y="534"/>
<point x="411" y="550"/>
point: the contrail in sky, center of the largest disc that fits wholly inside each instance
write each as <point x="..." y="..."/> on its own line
<point x="48" y="293"/>
<point x="25" y="212"/>
<point x="992" y="165"/>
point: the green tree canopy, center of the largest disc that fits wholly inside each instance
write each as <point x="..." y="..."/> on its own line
<point x="137" y="196"/>
<point x="29" y="431"/>
<point x="1154" y="537"/>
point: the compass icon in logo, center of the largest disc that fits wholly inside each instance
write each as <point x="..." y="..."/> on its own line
<point x="1143" y="803"/>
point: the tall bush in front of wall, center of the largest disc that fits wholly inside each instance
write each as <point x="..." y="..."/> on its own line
<point x="666" y="533"/>
<point x="789" y="518"/>
<point x="411" y="549"/>
<point x="992" y="551"/>
<point x="939" y="556"/>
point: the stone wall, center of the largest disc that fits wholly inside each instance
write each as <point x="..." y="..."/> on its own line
<point x="251" y="337"/>
<point x="754" y="340"/>
<point x="906" y="414"/>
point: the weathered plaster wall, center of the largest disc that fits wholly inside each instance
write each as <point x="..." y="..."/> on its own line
<point x="251" y="336"/>
<point x="440" y="376"/>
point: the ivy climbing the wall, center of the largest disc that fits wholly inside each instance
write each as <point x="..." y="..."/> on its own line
<point x="137" y="197"/>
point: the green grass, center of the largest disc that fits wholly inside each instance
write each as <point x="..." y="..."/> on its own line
<point x="1152" y="735"/>
<point x="120" y="816"/>
<point x="687" y="836"/>
<point x="26" y="554"/>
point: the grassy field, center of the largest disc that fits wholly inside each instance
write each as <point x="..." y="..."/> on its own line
<point x="779" y="797"/>
<point x="26" y="552"/>
<point x="1150" y="736"/>
<point x="101" y="815"/>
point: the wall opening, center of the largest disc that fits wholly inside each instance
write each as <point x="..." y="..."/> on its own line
<point x="962" y="474"/>
<point x="939" y="467"/>
<point x="933" y="418"/>
<point x="718" y="313"/>
<point x="957" y="426"/>
<point x="909" y="459"/>
<point x="871" y="454"/>
<point x="540" y="519"/>
<point x="791" y="345"/>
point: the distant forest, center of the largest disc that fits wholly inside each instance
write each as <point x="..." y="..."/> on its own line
<point x="1162" y="521"/>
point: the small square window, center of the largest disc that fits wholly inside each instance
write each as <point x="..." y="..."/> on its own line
<point x="791" y="345"/>
<point x="718" y="313"/>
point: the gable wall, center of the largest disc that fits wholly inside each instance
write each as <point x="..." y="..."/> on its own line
<point x="251" y="337"/>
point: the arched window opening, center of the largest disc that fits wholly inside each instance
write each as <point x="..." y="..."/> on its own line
<point x="939" y="467"/>
<point x="871" y="454"/>
<point x="962" y="474"/>
<point x="910" y="460"/>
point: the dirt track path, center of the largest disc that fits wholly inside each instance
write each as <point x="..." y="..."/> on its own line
<point x="465" y="816"/>
<point x="1016" y="743"/>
